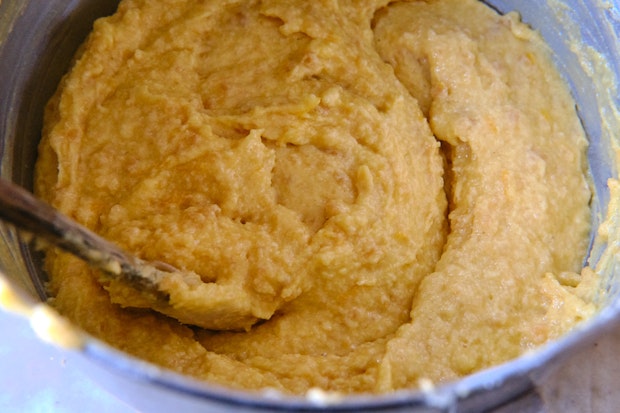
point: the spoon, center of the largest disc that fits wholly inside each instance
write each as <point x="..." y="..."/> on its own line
<point x="159" y="286"/>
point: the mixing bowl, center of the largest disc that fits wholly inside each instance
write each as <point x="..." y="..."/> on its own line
<point x="37" y="41"/>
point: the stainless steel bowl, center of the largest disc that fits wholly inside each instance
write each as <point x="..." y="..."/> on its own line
<point x="37" y="41"/>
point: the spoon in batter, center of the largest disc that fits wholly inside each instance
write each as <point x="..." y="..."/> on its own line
<point x="155" y="283"/>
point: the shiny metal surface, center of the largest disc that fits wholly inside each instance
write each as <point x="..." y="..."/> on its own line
<point x="37" y="41"/>
<point x="37" y="377"/>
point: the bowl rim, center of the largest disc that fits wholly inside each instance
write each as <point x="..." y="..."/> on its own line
<point x="529" y="366"/>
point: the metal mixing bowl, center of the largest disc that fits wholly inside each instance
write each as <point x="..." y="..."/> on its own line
<point x="37" y="41"/>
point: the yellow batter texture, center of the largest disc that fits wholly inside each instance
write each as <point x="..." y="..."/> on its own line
<point x="383" y="192"/>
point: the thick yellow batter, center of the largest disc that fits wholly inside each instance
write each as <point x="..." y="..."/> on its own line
<point x="383" y="193"/>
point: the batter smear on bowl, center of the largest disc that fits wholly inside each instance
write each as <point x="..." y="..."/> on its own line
<point x="375" y="193"/>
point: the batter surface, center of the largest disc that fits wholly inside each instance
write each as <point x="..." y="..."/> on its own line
<point x="379" y="192"/>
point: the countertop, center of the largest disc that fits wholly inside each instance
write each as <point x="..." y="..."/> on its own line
<point x="38" y="378"/>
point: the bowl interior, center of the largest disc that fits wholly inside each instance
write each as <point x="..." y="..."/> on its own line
<point x="583" y="37"/>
